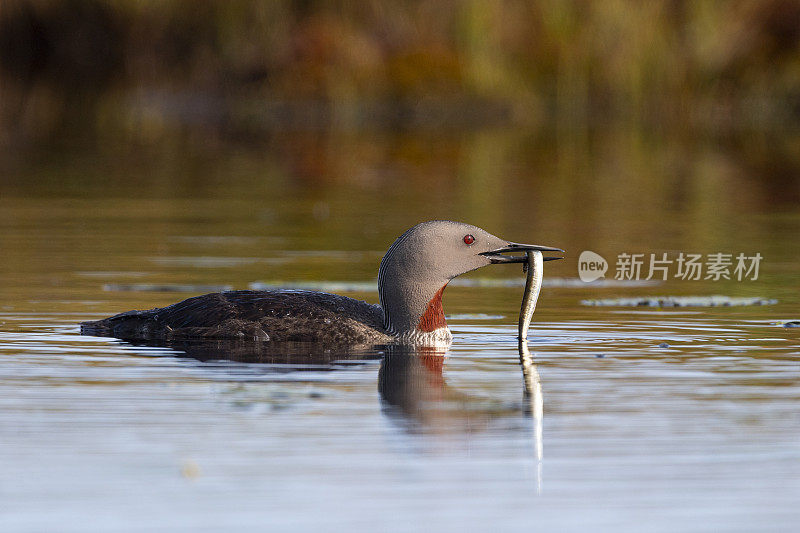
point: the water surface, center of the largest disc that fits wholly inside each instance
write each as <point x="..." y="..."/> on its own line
<point x="654" y="419"/>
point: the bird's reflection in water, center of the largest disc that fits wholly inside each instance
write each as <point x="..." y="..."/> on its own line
<point x="412" y="386"/>
<point x="288" y="355"/>
<point x="410" y="382"/>
<point x="416" y="395"/>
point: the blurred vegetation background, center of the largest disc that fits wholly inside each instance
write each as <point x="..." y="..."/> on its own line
<point x="241" y="66"/>
<point x="332" y="125"/>
<point x="335" y="90"/>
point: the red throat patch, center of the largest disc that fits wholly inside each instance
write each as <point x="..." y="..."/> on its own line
<point x="433" y="317"/>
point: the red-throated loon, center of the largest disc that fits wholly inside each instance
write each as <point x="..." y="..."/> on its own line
<point x="411" y="280"/>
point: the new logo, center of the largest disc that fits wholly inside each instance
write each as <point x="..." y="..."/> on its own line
<point x="591" y="266"/>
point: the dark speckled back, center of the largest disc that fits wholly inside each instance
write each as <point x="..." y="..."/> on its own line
<point x="281" y="315"/>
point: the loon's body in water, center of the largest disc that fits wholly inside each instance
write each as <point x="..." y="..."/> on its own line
<point x="411" y="280"/>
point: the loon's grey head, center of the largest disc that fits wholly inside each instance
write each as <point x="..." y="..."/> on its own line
<point x="420" y="263"/>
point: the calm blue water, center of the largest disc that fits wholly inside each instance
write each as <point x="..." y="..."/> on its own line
<point x="98" y="435"/>
<point x="102" y="436"/>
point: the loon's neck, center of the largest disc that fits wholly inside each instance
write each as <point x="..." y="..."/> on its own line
<point x="413" y="312"/>
<point x="411" y="295"/>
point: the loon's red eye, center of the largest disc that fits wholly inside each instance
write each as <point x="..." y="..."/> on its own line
<point x="469" y="239"/>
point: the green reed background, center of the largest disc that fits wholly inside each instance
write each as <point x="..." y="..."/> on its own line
<point x="244" y="67"/>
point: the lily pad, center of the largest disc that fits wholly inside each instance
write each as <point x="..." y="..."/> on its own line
<point x="679" y="301"/>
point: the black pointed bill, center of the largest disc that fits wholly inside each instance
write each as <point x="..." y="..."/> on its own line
<point x="497" y="257"/>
